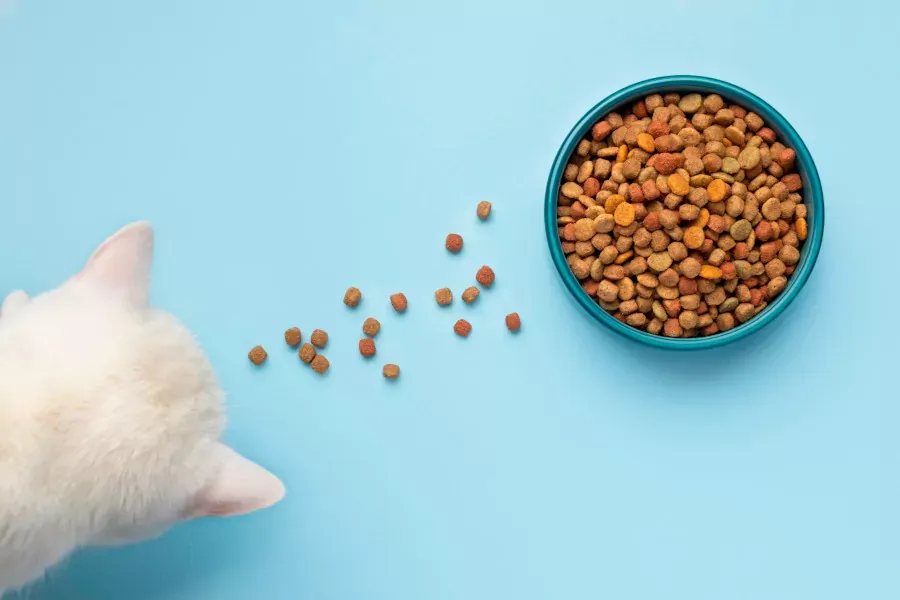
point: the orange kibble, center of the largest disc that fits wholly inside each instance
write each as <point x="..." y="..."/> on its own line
<point x="678" y="184"/>
<point x="710" y="272"/>
<point x="485" y="276"/>
<point x="624" y="257"/>
<point x="645" y="142"/>
<point x="624" y="214"/>
<point x="399" y="302"/>
<point x="612" y="203"/>
<point x="513" y="323"/>
<point x="257" y="355"/>
<point x="693" y="237"/>
<point x="702" y="220"/>
<point x="367" y="347"/>
<point x="462" y="328"/>
<point x="623" y="153"/>
<point x="802" y="228"/>
<point x="716" y="190"/>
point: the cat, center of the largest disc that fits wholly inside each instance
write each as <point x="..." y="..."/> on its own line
<point x="110" y="418"/>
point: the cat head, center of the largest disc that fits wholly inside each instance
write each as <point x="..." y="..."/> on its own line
<point x="113" y="410"/>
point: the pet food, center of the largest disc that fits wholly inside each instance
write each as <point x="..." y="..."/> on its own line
<point x="513" y="323"/>
<point x="462" y="328"/>
<point x="258" y="355"/>
<point x="371" y="326"/>
<point x="352" y="297"/>
<point x="484" y="210"/>
<point x="391" y="371"/>
<point x="367" y="347"/>
<point x="443" y="296"/>
<point x="398" y="301"/>
<point x="307" y="353"/>
<point x="319" y="364"/>
<point x="485" y="276"/>
<point x="470" y="294"/>
<point x="293" y="337"/>
<point x="319" y="338"/>
<point x="454" y="243"/>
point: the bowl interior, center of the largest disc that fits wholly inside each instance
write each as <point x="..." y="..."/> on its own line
<point x="812" y="197"/>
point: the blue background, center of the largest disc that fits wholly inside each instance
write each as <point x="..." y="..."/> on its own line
<point x="286" y="150"/>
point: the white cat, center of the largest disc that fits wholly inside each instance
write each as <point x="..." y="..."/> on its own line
<point x="110" y="418"/>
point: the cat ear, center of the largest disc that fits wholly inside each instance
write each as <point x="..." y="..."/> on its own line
<point x="122" y="264"/>
<point x="13" y="302"/>
<point x="239" y="487"/>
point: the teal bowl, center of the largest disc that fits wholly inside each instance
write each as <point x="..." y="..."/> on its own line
<point x="812" y="197"/>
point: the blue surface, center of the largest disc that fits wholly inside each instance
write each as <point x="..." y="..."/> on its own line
<point x="286" y="150"/>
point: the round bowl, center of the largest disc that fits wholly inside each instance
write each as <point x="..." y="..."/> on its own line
<point x="812" y="197"/>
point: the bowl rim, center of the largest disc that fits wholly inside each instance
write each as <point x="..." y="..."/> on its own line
<point x="812" y="189"/>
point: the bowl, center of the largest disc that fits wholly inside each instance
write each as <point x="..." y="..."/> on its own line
<point x="812" y="197"/>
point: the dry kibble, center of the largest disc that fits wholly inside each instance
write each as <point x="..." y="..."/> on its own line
<point x="352" y="297"/>
<point x="293" y="336"/>
<point x="391" y="371"/>
<point x="371" y="326"/>
<point x="513" y="323"/>
<point x="462" y="328"/>
<point x="454" y="242"/>
<point x="470" y="294"/>
<point x="307" y="353"/>
<point x="319" y="338"/>
<point x="484" y="210"/>
<point x="398" y="301"/>
<point x="696" y="224"/>
<point x="257" y="355"/>
<point x="367" y="347"/>
<point x="485" y="276"/>
<point x="319" y="364"/>
<point x="443" y="296"/>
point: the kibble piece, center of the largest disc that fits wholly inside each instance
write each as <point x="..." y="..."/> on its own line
<point x="391" y="371"/>
<point x="716" y="190"/>
<point x="485" y="276"/>
<point x="513" y="323"/>
<point x="367" y="347"/>
<point x="371" y="326"/>
<point x="352" y="297"/>
<point x="454" y="242"/>
<point x="319" y="364"/>
<point x="470" y="294"/>
<point x="483" y="211"/>
<point x="293" y="336"/>
<point x="307" y="353"/>
<point x="443" y="296"/>
<point x="257" y="355"/>
<point x="624" y="215"/>
<point x="462" y="328"/>
<point x="319" y="338"/>
<point x="398" y="301"/>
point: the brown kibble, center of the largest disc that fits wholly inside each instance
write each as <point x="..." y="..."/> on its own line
<point x="600" y="131"/>
<point x="293" y="336"/>
<point x="470" y="294"/>
<point x="351" y="298"/>
<point x="793" y="182"/>
<point x="672" y="328"/>
<point x="257" y="355"/>
<point x="484" y="210"/>
<point x="367" y="347"/>
<point x="307" y="353"/>
<point x="371" y="326"/>
<point x="624" y="214"/>
<point x="391" y="371"/>
<point x="462" y="328"/>
<point x="444" y="297"/>
<point x="398" y="301"/>
<point x="485" y="276"/>
<point x="513" y="323"/>
<point x="319" y="338"/>
<point x="454" y="242"/>
<point x="319" y="364"/>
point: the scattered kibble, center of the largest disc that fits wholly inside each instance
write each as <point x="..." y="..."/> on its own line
<point x="398" y="301"/>
<point x="307" y="353"/>
<point x="292" y="337"/>
<point x="513" y="323"/>
<point x="371" y="326"/>
<point x="485" y="276"/>
<point x="319" y="364"/>
<point x="319" y="338"/>
<point x="352" y="297"/>
<point x="444" y="296"/>
<point x="684" y="217"/>
<point x="391" y="371"/>
<point x="470" y="294"/>
<point x="258" y="355"/>
<point x="454" y="242"/>
<point x="367" y="347"/>
<point x="462" y="328"/>
<point x="484" y="210"/>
